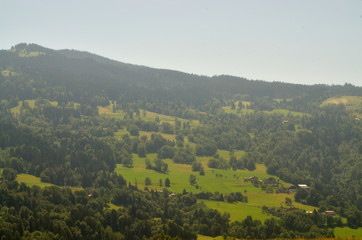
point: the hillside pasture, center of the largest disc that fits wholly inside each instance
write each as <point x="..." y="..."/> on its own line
<point x="170" y="137"/>
<point x="287" y="112"/>
<point x="352" y="103"/>
<point x="279" y="100"/>
<point x="151" y="116"/>
<point x="237" y="111"/>
<point x="31" y="104"/>
<point x="31" y="180"/>
<point x="24" y="53"/>
<point x="16" y="110"/>
<point x="214" y="180"/>
<point x="144" y="115"/>
<point x="348" y="233"/>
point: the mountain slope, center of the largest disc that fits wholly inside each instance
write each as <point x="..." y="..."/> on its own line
<point x="80" y="72"/>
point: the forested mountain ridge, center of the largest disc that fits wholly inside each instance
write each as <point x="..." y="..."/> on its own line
<point x="51" y="127"/>
<point x="81" y="73"/>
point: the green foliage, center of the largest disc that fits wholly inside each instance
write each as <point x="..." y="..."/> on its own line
<point x="166" y="152"/>
<point x="184" y="155"/>
<point x="192" y="179"/>
<point x="218" y="162"/>
<point x="167" y="182"/>
<point x="133" y="130"/>
<point x="59" y="123"/>
<point x="9" y="174"/>
<point x="148" y="181"/>
<point x="158" y="165"/>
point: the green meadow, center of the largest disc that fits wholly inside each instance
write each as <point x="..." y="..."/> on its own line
<point x="144" y="115"/>
<point x="346" y="232"/>
<point x="31" y="180"/>
<point x="279" y="100"/>
<point x="31" y="104"/>
<point x="287" y="112"/>
<point x="352" y="103"/>
<point x="241" y="107"/>
<point x="214" y="180"/>
<point x="245" y="110"/>
<point x="24" y="53"/>
<point x="345" y="100"/>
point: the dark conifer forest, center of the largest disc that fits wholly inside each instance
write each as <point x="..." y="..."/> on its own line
<point x="51" y="127"/>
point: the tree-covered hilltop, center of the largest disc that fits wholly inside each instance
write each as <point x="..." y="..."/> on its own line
<point x="68" y="75"/>
<point x="70" y="117"/>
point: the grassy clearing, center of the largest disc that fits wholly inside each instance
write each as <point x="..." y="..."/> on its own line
<point x="144" y="115"/>
<point x="24" y="53"/>
<point x="5" y="73"/>
<point x="287" y="112"/>
<point x="124" y="131"/>
<point x="347" y="232"/>
<point x="31" y="104"/>
<point x="279" y="100"/>
<point x="345" y="100"/>
<point x="238" y="211"/>
<point x="120" y="133"/>
<point x="16" y="110"/>
<point x="202" y="237"/>
<point x="352" y="103"/>
<point x="238" y="112"/>
<point x="108" y="111"/>
<point x="170" y="137"/>
<point x="214" y="180"/>
<point x="112" y="206"/>
<point x="151" y="116"/>
<point x="31" y="180"/>
<point x="226" y="154"/>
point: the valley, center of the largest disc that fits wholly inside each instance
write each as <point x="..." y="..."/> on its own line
<point x="92" y="148"/>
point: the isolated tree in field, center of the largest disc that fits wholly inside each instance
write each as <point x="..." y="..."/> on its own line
<point x="141" y="150"/>
<point x="288" y="201"/>
<point x="192" y="179"/>
<point x="167" y="182"/>
<point x="202" y="171"/>
<point x="148" y="181"/>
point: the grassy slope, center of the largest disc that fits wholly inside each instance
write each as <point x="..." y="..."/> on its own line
<point x="215" y="180"/>
<point x="348" y="232"/>
<point x="31" y="180"/>
<point x="31" y="103"/>
<point x="352" y="103"/>
<point x="287" y="112"/>
<point x="349" y="101"/>
<point x="144" y="115"/>
<point x="238" y="210"/>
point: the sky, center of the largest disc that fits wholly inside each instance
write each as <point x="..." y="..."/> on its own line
<point x="305" y="42"/>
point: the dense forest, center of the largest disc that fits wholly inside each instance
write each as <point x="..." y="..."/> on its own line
<point x="51" y="128"/>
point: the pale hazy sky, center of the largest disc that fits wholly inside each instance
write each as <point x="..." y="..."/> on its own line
<point x="297" y="41"/>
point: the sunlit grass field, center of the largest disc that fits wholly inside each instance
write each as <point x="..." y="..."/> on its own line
<point x="348" y="233"/>
<point x="214" y="180"/>
<point x="31" y="104"/>
<point x="24" y="53"/>
<point x="352" y="103"/>
<point x="287" y="112"/>
<point x="144" y="115"/>
<point x="31" y="180"/>
<point x="345" y="100"/>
